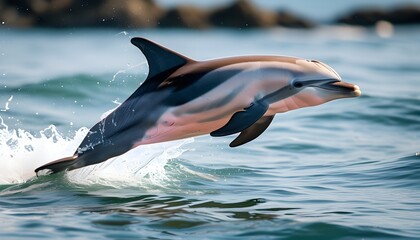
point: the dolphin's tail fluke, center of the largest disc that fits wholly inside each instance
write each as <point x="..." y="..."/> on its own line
<point x="56" y="166"/>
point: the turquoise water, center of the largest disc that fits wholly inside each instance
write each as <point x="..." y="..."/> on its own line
<point x="348" y="169"/>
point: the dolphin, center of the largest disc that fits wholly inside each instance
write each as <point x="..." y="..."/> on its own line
<point x="183" y="98"/>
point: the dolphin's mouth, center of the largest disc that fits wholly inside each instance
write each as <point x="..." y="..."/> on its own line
<point x="341" y="87"/>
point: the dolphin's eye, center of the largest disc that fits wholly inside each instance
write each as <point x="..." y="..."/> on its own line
<point x="297" y="84"/>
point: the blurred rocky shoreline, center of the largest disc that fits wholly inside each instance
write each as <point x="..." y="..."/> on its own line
<point x="240" y="14"/>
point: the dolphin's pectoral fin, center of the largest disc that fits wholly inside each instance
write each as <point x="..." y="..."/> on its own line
<point x="57" y="165"/>
<point x="242" y="120"/>
<point x="159" y="58"/>
<point x="252" y="132"/>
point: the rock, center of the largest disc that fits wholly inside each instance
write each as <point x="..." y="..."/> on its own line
<point x="286" y="19"/>
<point x="12" y="17"/>
<point x="364" y="17"/>
<point x="69" y="14"/>
<point x="405" y="15"/>
<point x="73" y="13"/>
<point x="369" y="17"/>
<point x="130" y="13"/>
<point x="242" y="14"/>
<point x="184" y="16"/>
<point x="16" y="13"/>
<point x="140" y="14"/>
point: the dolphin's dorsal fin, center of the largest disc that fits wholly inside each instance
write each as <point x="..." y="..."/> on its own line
<point x="159" y="58"/>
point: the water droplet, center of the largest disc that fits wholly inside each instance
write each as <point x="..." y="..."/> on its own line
<point x="71" y="123"/>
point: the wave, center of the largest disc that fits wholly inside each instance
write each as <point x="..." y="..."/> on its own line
<point x="378" y="110"/>
<point x="79" y="86"/>
<point x="402" y="172"/>
<point x="143" y="166"/>
<point x="21" y="152"/>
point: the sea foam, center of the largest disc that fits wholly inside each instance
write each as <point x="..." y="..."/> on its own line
<point x="21" y="152"/>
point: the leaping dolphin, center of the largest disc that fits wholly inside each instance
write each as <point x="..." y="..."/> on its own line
<point x="182" y="98"/>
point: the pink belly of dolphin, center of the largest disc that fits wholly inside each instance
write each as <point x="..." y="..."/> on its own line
<point x="174" y="131"/>
<point x="172" y="127"/>
<point x="179" y="122"/>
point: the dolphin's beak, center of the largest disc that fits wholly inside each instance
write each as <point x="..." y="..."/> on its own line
<point x="349" y="89"/>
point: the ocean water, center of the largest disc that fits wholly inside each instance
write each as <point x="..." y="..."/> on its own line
<point x="348" y="169"/>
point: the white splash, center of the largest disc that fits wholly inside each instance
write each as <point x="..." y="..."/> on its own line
<point x="142" y="166"/>
<point x="6" y="106"/>
<point x="21" y="152"/>
<point x="129" y="67"/>
<point x="125" y="33"/>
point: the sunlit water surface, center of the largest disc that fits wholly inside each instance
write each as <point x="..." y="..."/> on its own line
<point x="349" y="169"/>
